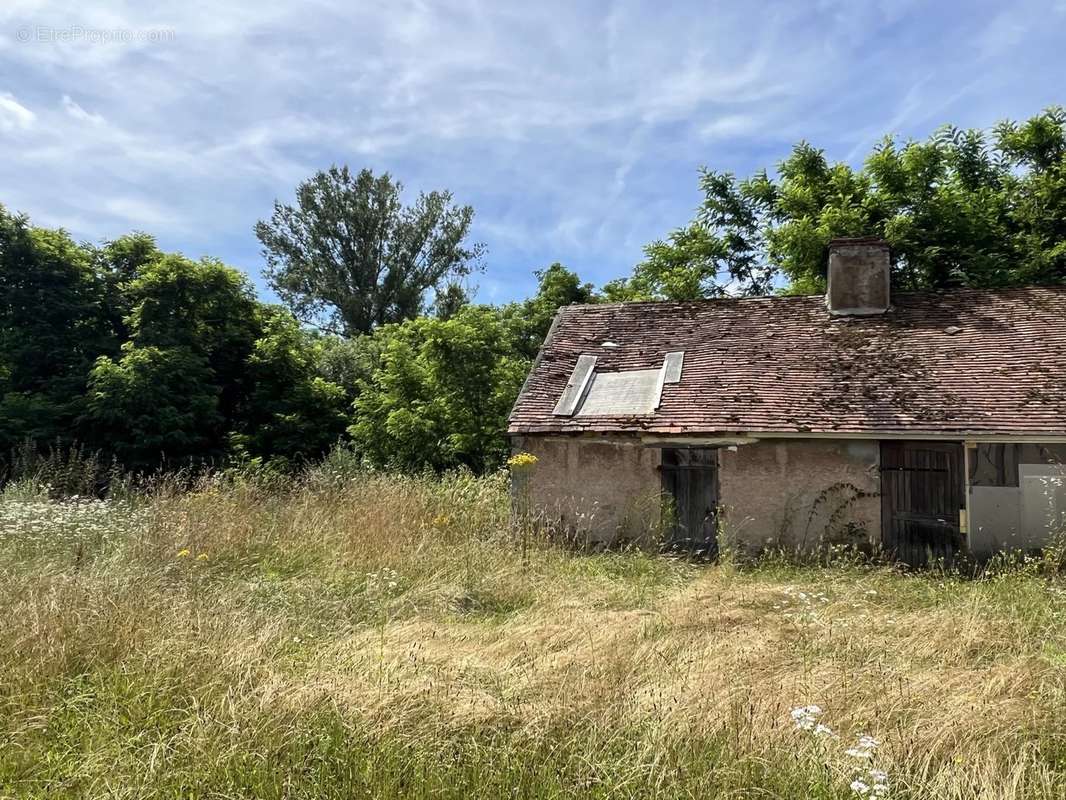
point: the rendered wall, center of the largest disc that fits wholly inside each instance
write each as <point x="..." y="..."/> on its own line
<point x="603" y="490"/>
<point x="773" y="492"/>
<point x="801" y="492"/>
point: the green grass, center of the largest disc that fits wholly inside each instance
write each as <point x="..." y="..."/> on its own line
<point x="382" y="636"/>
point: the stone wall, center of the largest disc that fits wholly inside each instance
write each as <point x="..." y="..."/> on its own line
<point x="785" y="492"/>
<point x="796" y="492"/>
<point x="800" y="492"/>
<point x="603" y="490"/>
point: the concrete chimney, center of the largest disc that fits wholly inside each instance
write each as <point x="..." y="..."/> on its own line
<point x="859" y="274"/>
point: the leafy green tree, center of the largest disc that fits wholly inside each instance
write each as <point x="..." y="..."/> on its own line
<point x="531" y="319"/>
<point x="156" y="407"/>
<point x="126" y="256"/>
<point x="120" y="262"/>
<point x="156" y="359"/>
<point x="349" y="256"/>
<point x="53" y="324"/>
<point x="963" y="208"/>
<point x="441" y="394"/>
<point x="204" y="306"/>
<point x="193" y="326"/>
<point x="292" y="414"/>
<point x="450" y="300"/>
<point x="349" y="362"/>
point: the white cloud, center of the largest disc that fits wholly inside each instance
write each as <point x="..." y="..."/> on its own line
<point x="1003" y="33"/>
<point x="79" y="113"/>
<point x="575" y="134"/>
<point x="731" y="125"/>
<point x="138" y="211"/>
<point x="14" y="115"/>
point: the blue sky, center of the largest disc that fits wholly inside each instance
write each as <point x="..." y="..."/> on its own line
<point x="574" y="129"/>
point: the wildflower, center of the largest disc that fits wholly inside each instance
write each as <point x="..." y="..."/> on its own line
<point x="865" y="748"/>
<point x="876" y="781"/>
<point x="183" y="553"/>
<point x="823" y="730"/>
<point x="202" y="557"/>
<point x="806" y="717"/>
<point x="387" y="581"/>
<point x="521" y="461"/>
<point x="860" y="787"/>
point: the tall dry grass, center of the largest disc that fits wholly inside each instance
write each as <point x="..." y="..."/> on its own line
<point x="373" y="635"/>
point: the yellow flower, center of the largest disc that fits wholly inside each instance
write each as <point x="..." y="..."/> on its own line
<point x="522" y="461"/>
<point x="441" y="521"/>
<point x="183" y="553"/>
<point x="202" y="557"/>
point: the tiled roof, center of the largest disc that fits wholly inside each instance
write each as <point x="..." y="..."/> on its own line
<point x="968" y="360"/>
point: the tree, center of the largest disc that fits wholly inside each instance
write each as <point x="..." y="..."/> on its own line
<point x="450" y="300"/>
<point x="531" y="319"/>
<point x="963" y="208"/>
<point x="182" y="376"/>
<point x="156" y="406"/>
<point x="291" y="414"/>
<point x="126" y="256"/>
<point x="204" y="306"/>
<point x="120" y="262"/>
<point x="349" y="256"/>
<point x="441" y="394"/>
<point x="159" y="360"/>
<point x="53" y="324"/>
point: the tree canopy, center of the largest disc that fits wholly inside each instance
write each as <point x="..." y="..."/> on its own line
<point x="530" y="320"/>
<point x="349" y="256"/>
<point x="963" y="208"/>
<point x="442" y="392"/>
<point x="157" y="360"/>
<point x="54" y="321"/>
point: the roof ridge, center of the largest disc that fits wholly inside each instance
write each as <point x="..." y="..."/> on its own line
<point x="984" y="360"/>
<point x="783" y="298"/>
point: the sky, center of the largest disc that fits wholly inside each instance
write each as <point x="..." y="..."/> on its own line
<point x="576" y="129"/>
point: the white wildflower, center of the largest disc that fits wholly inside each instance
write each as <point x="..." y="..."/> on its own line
<point x="879" y="781"/>
<point x="860" y="787"/>
<point x="806" y="717"/>
<point x="385" y="582"/>
<point x="865" y="748"/>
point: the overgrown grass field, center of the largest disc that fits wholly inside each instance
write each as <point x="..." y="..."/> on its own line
<point x="357" y="635"/>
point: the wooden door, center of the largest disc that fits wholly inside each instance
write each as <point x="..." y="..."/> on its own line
<point x="922" y="492"/>
<point x="690" y="493"/>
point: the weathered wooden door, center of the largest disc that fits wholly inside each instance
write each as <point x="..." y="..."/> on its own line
<point x="922" y="492"/>
<point x="690" y="493"/>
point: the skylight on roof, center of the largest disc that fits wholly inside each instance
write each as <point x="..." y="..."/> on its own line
<point x="616" y="394"/>
<point x="621" y="394"/>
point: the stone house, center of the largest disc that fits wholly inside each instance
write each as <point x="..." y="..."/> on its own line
<point x="925" y="423"/>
